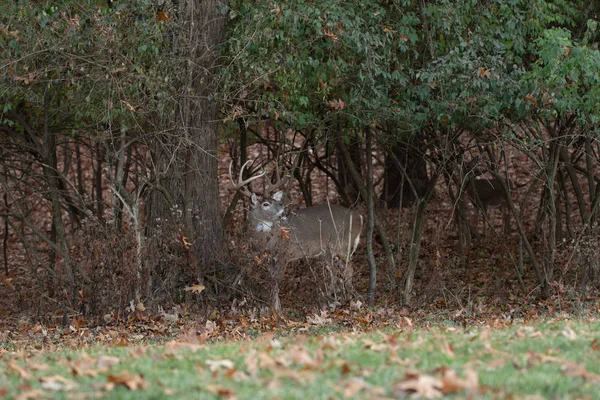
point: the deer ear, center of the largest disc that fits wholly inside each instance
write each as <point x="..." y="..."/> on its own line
<point x="254" y="200"/>
<point x="277" y="196"/>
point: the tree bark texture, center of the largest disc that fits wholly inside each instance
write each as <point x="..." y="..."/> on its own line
<point x="347" y="184"/>
<point x="186" y="180"/>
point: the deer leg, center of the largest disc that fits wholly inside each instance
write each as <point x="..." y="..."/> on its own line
<point x="343" y="276"/>
<point x="486" y="219"/>
<point x="275" y="302"/>
<point x="506" y="220"/>
<point x="465" y="232"/>
<point x="475" y="231"/>
<point x="470" y="228"/>
<point x="276" y="271"/>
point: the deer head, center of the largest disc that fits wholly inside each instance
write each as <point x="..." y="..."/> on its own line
<point x="264" y="213"/>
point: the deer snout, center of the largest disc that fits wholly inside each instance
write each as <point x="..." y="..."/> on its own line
<point x="277" y="210"/>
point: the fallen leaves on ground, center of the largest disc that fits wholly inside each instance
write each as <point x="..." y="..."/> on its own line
<point x="274" y="362"/>
<point x="432" y="387"/>
<point x="20" y="370"/>
<point x="215" y="365"/>
<point x="31" y="394"/>
<point x="220" y="391"/>
<point x="129" y="380"/>
<point x="568" y="367"/>
<point x="57" y="382"/>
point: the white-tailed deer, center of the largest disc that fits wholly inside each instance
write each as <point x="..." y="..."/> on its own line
<point x="490" y="193"/>
<point x="321" y="230"/>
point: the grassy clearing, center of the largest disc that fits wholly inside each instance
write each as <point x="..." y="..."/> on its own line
<point x="553" y="359"/>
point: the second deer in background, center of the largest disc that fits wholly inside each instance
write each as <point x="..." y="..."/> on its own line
<point x="490" y="193"/>
<point x="322" y="230"/>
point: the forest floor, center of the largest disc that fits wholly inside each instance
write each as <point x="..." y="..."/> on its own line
<point x="357" y="353"/>
<point x="477" y="331"/>
<point x="471" y="334"/>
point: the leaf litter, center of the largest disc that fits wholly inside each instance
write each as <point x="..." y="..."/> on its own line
<point x="274" y="362"/>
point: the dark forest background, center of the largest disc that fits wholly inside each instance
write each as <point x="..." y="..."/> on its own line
<point x="119" y="121"/>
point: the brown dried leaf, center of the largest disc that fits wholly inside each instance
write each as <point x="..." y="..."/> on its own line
<point x="57" y="382"/>
<point x="128" y="105"/>
<point x="394" y="359"/>
<point x="338" y="104"/>
<point x="192" y="337"/>
<point x="497" y="363"/>
<point x="266" y="361"/>
<point x="161" y="16"/>
<point x="319" y="320"/>
<point x="38" y="367"/>
<point x="531" y="99"/>
<point x="424" y="386"/>
<point x="251" y="362"/>
<point x="351" y="387"/>
<point x="215" y="365"/>
<point x="569" y="333"/>
<point x="8" y="282"/>
<point x="186" y="243"/>
<point x="30" y="78"/>
<point x="327" y="32"/>
<point x="378" y="347"/>
<point x="484" y="335"/>
<point x="300" y="356"/>
<point x="452" y="383"/>
<point x="107" y="361"/>
<point x="190" y="341"/>
<point x="346" y="369"/>
<point x="129" y="380"/>
<point x="220" y="391"/>
<point x="20" y="370"/>
<point x="31" y="394"/>
<point x="484" y="72"/>
<point x="87" y="395"/>
<point x="571" y="368"/>
<point x="285" y="234"/>
<point x="197" y="288"/>
<point x="138" y="352"/>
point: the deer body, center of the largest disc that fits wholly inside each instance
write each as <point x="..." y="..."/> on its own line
<point x="326" y="229"/>
<point x="307" y="232"/>
<point x="490" y="193"/>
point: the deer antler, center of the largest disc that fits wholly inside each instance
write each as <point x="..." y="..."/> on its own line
<point x="241" y="185"/>
<point x="280" y="179"/>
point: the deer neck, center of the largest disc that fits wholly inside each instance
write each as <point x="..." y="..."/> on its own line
<point x="264" y="226"/>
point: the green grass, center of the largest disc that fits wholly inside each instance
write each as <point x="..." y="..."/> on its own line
<point x="554" y="359"/>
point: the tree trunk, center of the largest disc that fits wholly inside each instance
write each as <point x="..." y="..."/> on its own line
<point x="347" y="184"/>
<point x="98" y="182"/>
<point x="186" y="179"/>
<point x="5" y="236"/>
<point x="415" y="239"/>
<point x="370" y="217"/>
